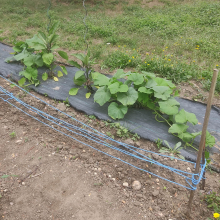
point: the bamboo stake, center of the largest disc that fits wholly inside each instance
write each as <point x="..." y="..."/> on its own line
<point x="202" y="141"/>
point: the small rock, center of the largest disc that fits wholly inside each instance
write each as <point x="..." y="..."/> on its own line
<point x="125" y="184"/>
<point x="11" y="203"/>
<point x="139" y="195"/>
<point x="136" y="185"/>
<point x="66" y="147"/>
<point x="155" y="156"/>
<point x="157" y="180"/>
<point x="99" y="169"/>
<point x="95" y="173"/>
<point x="113" y="179"/>
<point x="109" y="176"/>
<point x="188" y="169"/>
<point x="155" y="193"/>
<point x="23" y="183"/>
<point x="18" y="141"/>
<point x="129" y="142"/>
<point x="137" y="144"/>
<point x="61" y="107"/>
<point x="119" y="169"/>
<point x="137" y="203"/>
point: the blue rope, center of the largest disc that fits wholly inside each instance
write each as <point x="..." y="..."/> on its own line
<point x="97" y="137"/>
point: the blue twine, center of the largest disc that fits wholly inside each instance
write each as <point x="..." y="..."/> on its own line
<point x="97" y="137"/>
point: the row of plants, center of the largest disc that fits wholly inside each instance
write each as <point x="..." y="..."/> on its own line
<point x="140" y="90"/>
<point x="125" y="89"/>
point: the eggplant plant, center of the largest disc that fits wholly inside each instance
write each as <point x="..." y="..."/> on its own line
<point x="37" y="52"/>
<point x="84" y="75"/>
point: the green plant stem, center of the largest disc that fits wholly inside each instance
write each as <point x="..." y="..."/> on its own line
<point x="162" y="118"/>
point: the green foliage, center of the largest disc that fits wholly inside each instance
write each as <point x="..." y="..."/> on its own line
<point x="145" y="90"/>
<point x="37" y="52"/>
<point x="172" y="151"/>
<point x="117" y="111"/>
<point x="121" y="131"/>
<point x="213" y="201"/>
<point x="84" y="75"/>
<point x="159" y="143"/>
<point x="13" y="134"/>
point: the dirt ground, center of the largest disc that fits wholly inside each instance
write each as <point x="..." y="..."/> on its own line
<point x="51" y="176"/>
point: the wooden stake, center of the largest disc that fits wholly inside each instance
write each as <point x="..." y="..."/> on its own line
<point x="203" y="161"/>
<point x="202" y="141"/>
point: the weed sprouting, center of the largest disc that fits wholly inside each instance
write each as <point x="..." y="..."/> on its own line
<point x="13" y="134"/>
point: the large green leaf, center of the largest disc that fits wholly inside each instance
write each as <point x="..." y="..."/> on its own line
<point x="118" y="87"/>
<point x="28" y="61"/>
<point x="42" y="36"/>
<point x="186" y="136"/>
<point x="148" y="75"/>
<point x="29" y="73"/>
<point x="169" y="107"/>
<point x="74" y="63"/>
<point x="63" y="55"/>
<point x="53" y="28"/>
<point x="81" y="80"/>
<point x="145" y="90"/>
<point x="143" y="97"/>
<point x="151" y="83"/>
<point x="22" y="55"/>
<point x="48" y="58"/>
<point x="79" y="74"/>
<point x="210" y="140"/>
<point x="36" y="43"/>
<point x="117" y="111"/>
<point x="53" y="38"/>
<point x="183" y="116"/>
<point x="123" y="88"/>
<point x="137" y="78"/>
<point x="129" y="97"/>
<point x="118" y="74"/>
<point x="102" y="95"/>
<point x="164" y="82"/>
<point x="100" y="79"/>
<point x="33" y="59"/>
<point x="114" y="87"/>
<point x="178" y="129"/>
<point x="162" y="92"/>
<point x="80" y="56"/>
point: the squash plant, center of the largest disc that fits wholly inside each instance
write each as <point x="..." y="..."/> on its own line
<point x="37" y="52"/>
<point x="148" y="91"/>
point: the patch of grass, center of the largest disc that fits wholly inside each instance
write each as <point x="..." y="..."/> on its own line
<point x="188" y="30"/>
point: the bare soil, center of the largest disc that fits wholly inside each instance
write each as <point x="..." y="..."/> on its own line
<point x="54" y="177"/>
